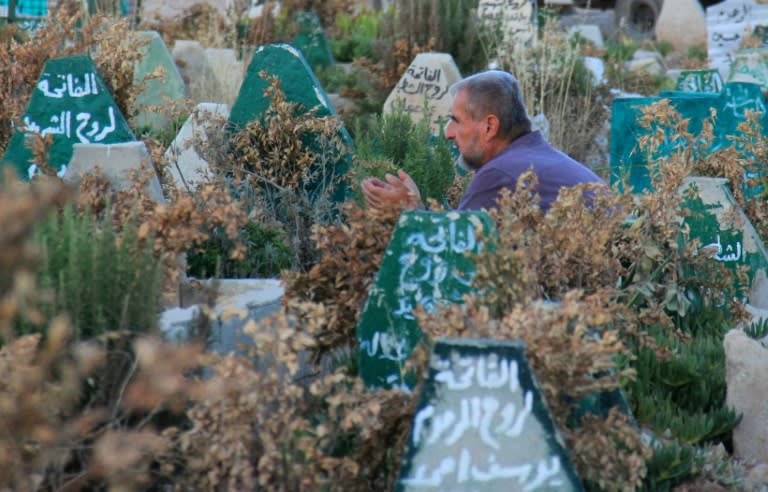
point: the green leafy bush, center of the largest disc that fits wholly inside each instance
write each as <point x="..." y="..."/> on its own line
<point x="356" y="35"/>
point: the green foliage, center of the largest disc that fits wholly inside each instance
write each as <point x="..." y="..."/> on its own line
<point x="757" y="330"/>
<point x="356" y="35"/>
<point x="671" y="463"/>
<point x="102" y="284"/>
<point x="265" y="256"/>
<point x="663" y="47"/>
<point x="393" y="141"/>
<point x="698" y="53"/>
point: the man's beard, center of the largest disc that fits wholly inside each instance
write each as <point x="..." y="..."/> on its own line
<point x="468" y="164"/>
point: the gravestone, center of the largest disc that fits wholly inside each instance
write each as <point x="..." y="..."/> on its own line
<point x="185" y="165"/>
<point x="707" y="80"/>
<point x="483" y="425"/>
<point x="72" y="103"/>
<point x="300" y="86"/>
<point x="731" y="105"/>
<point x="426" y="264"/>
<point x="152" y="102"/>
<point x="199" y="78"/>
<point x="750" y="66"/>
<point x="726" y="25"/>
<point x="514" y="21"/>
<point x="120" y="163"/>
<point x="720" y="225"/>
<point x="228" y="71"/>
<point x="423" y="89"/>
<point x="312" y="41"/>
<point x="25" y="8"/>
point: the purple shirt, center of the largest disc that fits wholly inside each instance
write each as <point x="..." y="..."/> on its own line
<point x="553" y="168"/>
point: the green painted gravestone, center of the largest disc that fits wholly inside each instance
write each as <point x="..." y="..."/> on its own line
<point x="300" y="86"/>
<point x="71" y="103"/>
<point x="482" y="425"/>
<point x="708" y="80"/>
<point x="731" y="105"/>
<point x="720" y="225"/>
<point x="426" y="264"/>
<point x="156" y="91"/>
<point x="312" y="41"/>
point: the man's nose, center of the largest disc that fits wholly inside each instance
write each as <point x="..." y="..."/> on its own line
<point x="449" y="133"/>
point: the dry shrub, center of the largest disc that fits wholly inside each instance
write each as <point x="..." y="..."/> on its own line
<point x="339" y="281"/>
<point x="201" y="22"/>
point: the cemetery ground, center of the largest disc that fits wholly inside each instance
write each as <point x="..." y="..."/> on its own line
<point x="151" y="165"/>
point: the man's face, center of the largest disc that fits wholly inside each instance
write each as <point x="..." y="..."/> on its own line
<point x="465" y="133"/>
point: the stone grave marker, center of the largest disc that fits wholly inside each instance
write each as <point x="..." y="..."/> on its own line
<point x="157" y="91"/>
<point x="731" y="105"/>
<point x="312" y="41"/>
<point x="184" y="163"/>
<point x="483" y="425"/>
<point x="72" y="103"/>
<point x="228" y="70"/>
<point x="750" y="66"/>
<point x="120" y="163"/>
<point x="25" y="9"/>
<point x="718" y="223"/>
<point x="707" y="80"/>
<point x="515" y="21"/>
<point x="299" y="84"/>
<point x="425" y="84"/>
<point x="727" y="22"/>
<point x="426" y="264"/>
<point x="199" y="78"/>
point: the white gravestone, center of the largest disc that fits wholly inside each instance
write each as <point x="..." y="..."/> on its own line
<point x="185" y="165"/>
<point x="228" y="70"/>
<point x="515" y="20"/>
<point x="727" y="22"/>
<point x="427" y="79"/>
<point x="202" y="83"/>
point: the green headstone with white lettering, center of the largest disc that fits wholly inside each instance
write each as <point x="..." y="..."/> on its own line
<point x="156" y="91"/>
<point x="71" y="102"/>
<point x="312" y="41"/>
<point x="719" y="224"/>
<point x="482" y="425"/>
<point x="300" y="86"/>
<point x="706" y="80"/>
<point x="730" y="104"/>
<point x="428" y="264"/>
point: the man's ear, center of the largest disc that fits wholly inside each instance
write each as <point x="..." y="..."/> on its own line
<point x="491" y="126"/>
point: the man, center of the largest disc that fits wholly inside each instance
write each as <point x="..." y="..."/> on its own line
<point x="491" y="128"/>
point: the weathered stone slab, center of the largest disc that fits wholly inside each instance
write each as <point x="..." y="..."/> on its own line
<point x="727" y="23"/>
<point x="199" y="78"/>
<point x="184" y="163"/>
<point x="425" y="84"/>
<point x="589" y="32"/>
<point x="750" y="66"/>
<point x="157" y="91"/>
<point x="425" y="264"/>
<point x="673" y="16"/>
<point x="483" y="425"/>
<point x="228" y="70"/>
<point x="515" y="20"/>
<point x="300" y="86"/>
<point x="312" y="41"/>
<point x="120" y="163"/>
<point x="72" y="103"/>
<point x="707" y="80"/>
<point x="730" y="104"/>
<point x="720" y="225"/>
<point x="746" y="364"/>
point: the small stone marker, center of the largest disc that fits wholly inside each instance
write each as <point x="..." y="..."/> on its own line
<point x="718" y="223"/>
<point x="201" y="82"/>
<point x="750" y="66"/>
<point x="72" y="103"/>
<point x="426" y="81"/>
<point x="157" y="91"/>
<point x="727" y="23"/>
<point x="312" y="41"/>
<point x="516" y="20"/>
<point x="298" y="83"/>
<point x="184" y="163"/>
<point x="426" y="264"/>
<point x="482" y="425"/>
<point x="118" y="163"/>
<point x="731" y="105"/>
<point x="707" y="80"/>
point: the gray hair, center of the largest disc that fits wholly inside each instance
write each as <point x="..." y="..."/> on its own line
<point x="498" y="93"/>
